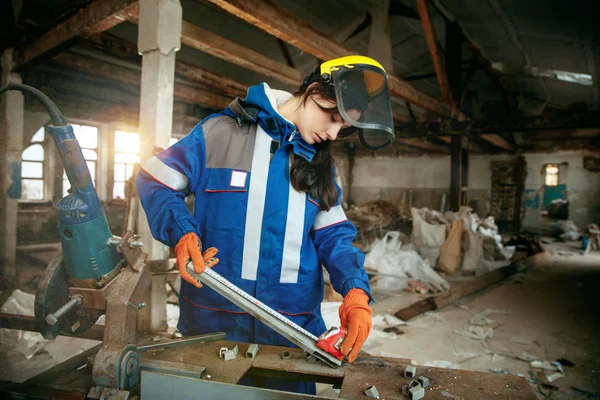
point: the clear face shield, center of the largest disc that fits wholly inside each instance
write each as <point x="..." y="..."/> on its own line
<point x="363" y="101"/>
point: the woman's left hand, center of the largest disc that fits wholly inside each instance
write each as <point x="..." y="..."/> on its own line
<point x="356" y="317"/>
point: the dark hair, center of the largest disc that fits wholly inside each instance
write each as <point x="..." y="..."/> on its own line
<point x="316" y="177"/>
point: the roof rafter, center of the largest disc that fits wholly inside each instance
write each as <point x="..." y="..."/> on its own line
<point x="97" y="17"/>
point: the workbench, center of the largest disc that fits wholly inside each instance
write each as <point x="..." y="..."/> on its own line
<point x="73" y="378"/>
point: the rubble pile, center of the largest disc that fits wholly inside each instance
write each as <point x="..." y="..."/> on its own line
<point x="440" y="245"/>
<point x="376" y="213"/>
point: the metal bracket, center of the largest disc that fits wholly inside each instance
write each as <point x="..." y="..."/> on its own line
<point x="252" y="350"/>
<point x="227" y="354"/>
<point x="132" y="251"/>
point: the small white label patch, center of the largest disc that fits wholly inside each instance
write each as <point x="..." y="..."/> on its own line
<point x="238" y="179"/>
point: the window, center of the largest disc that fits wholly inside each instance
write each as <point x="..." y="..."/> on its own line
<point x="32" y="168"/>
<point x="87" y="136"/>
<point x="551" y="175"/>
<point x="127" y="153"/>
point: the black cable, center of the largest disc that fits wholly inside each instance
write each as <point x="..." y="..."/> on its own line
<point x="57" y="118"/>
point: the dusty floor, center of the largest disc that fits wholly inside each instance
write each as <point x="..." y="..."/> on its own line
<point x="553" y="314"/>
<point x="549" y="311"/>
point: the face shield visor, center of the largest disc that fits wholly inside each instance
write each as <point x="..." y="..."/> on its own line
<point x="363" y="101"/>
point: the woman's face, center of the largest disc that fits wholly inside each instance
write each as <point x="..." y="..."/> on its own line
<point x="316" y="125"/>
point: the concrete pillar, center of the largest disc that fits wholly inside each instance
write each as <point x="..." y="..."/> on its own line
<point x="459" y="172"/>
<point x="380" y="42"/>
<point x="12" y="111"/>
<point x="159" y="38"/>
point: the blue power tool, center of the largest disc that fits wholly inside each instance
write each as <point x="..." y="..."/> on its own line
<point x="89" y="251"/>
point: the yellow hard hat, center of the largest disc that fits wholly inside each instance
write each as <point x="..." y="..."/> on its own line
<point x="361" y="84"/>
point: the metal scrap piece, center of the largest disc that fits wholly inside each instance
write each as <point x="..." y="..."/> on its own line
<point x="222" y="351"/>
<point x="286" y="355"/>
<point x="410" y="371"/>
<point x="251" y="352"/>
<point x="416" y="392"/>
<point x="372" y="392"/>
<point x="227" y="354"/>
<point x="423" y="380"/>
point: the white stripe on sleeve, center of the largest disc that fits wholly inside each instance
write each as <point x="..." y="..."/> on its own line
<point x="165" y="174"/>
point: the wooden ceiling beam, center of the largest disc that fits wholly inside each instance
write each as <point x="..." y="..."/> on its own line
<point x="182" y="91"/>
<point x="97" y="17"/>
<point x="220" y="47"/>
<point x="498" y="141"/>
<point x="471" y="146"/>
<point x="220" y="83"/>
<point x="118" y="48"/>
<point x="195" y="76"/>
<point x="436" y="56"/>
<point x="423" y="144"/>
<point x="210" y="43"/>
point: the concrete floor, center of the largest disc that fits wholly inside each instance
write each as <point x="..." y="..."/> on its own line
<point x="553" y="314"/>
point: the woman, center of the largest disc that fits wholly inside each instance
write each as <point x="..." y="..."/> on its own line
<point x="263" y="177"/>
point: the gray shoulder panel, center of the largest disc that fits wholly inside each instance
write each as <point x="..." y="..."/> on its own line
<point x="229" y="145"/>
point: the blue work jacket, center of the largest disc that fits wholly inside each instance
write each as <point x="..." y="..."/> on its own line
<point x="272" y="240"/>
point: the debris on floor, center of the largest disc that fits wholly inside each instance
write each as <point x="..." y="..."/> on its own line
<point x="476" y="332"/>
<point x="570" y="231"/>
<point x="525" y="246"/>
<point x="395" y="267"/>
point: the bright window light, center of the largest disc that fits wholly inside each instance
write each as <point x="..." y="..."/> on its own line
<point x="551" y="175"/>
<point x="574" y="77"/>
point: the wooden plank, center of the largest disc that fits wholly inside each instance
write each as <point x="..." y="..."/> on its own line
<point x="98" y="16"/>
<point x="113" y="20"/>
<point x="217" y="46"/>
<point x="471" y="146"/>
<point x="184" y="92"/>
<point x="219" y="82"/>
<point x="117" y="48"/>
<point x="463" y="289"/>
<point x="498" y="141"/>
<point x="285" y="26"/>
<point x="193" y="95"/>
<point x="422" y="144"/>
<point x="98" y="68"/>
<point x="436" y="56"/>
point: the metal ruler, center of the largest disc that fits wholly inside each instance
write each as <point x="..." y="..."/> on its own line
<point x="280" y="324"/>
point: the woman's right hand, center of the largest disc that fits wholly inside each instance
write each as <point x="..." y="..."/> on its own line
<point x="190" y="247"/>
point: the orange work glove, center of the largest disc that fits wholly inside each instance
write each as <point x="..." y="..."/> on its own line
<point x="356" y="317"/>
<point x="190" y="246"/>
